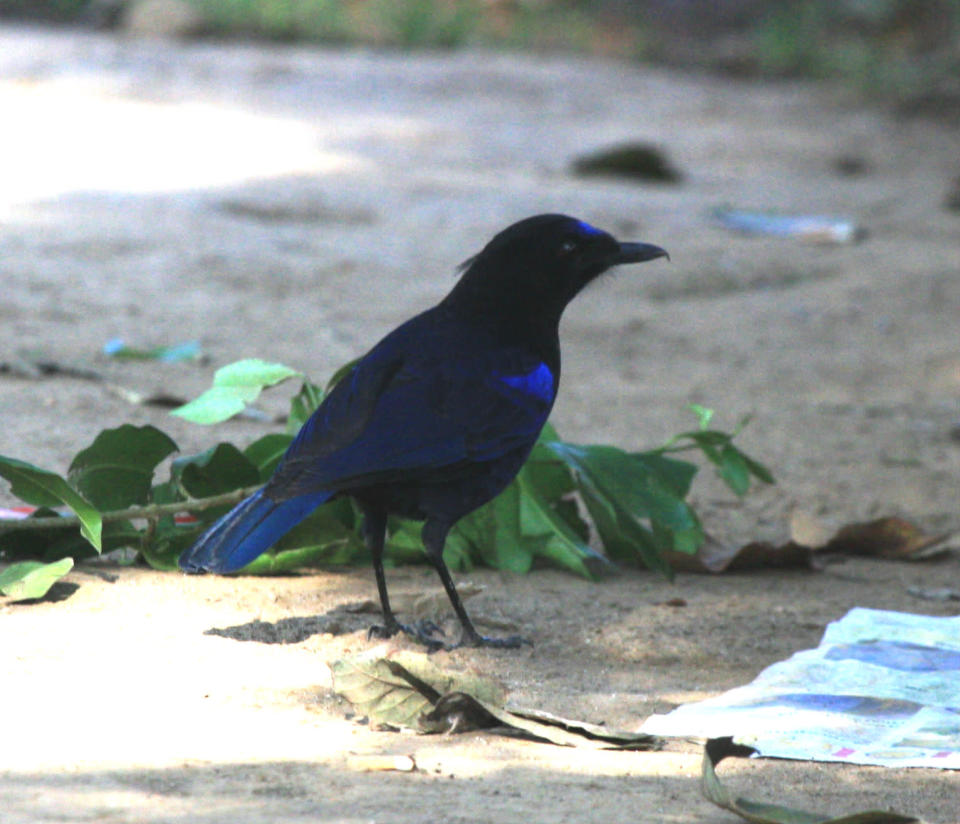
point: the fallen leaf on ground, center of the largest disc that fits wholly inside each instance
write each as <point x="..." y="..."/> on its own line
<point x="671" y="602"/>
<point x="887" y="538"/>
<point x="891" y="538"/>
<point x="406" y="689"/>
<point x="27" y="580"/>
<point x="397" y="688"/>
<point x="761" y="813"/>
<point x="716" y="556"/>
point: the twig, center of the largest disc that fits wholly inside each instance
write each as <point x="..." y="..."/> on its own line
<point x="132" y="513"/>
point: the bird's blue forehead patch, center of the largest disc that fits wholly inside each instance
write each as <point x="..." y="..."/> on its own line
<point x="537" y="382"/>
<point x="587" y="229"/>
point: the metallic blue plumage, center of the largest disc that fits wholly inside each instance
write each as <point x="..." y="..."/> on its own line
<point x="538" y="382"/>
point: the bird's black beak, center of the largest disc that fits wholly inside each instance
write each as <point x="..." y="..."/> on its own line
<point x="637" y="253"/>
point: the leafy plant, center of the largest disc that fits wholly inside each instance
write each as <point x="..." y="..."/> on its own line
<point x="634" y="502"/>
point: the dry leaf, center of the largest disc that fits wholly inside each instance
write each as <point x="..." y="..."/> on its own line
<point x="714" y="556"/>
<point x="808" y="529"/>
<point x="397" y="688"/>
<point x="368" y="682"/>
<point x="406" y="689"/>
<point x="760" y="813"/>
<point x="886" y="538"/>
<point x="891" y="538"/>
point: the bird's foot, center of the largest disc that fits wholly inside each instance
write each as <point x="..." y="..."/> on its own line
<point x="424" y="632"/>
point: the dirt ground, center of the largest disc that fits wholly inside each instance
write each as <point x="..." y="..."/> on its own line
<point x="295" y="204"/>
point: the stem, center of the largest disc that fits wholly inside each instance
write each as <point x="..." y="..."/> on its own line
<point x="149" y="512"/>
<point x="668" y="449"/>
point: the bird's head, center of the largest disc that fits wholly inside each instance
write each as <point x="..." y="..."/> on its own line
<point x="537" y="266"/>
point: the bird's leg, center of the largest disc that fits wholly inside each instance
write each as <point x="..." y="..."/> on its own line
<point x="374" y="533"/>
<point x="434" y="535"/>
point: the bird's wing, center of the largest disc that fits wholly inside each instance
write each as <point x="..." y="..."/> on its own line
<point x="414" y="414"/>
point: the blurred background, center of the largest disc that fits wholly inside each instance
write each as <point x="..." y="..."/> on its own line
<point x="905" y="50"/>
<point x="289" y="179"/>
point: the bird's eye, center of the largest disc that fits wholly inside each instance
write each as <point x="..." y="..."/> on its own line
<point x="568" y="246"/>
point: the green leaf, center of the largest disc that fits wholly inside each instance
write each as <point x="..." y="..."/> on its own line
<point x="43" y="488"/>
<point x="548" y="433"/>
<point x="216" y="470"/>
<point x="619" y="488"/>
<point x="169" y="541"/>
<point x="632" y="481"/>
<point x="253" y="372"/>
<point x="675" y="474"/>
<point x="456" y="553"/>
<point x="234" y="387"/>
<point x="50" y="544"/>
<point x="119" y="534"/>
<point x="734" y="470"/>
<point x="32" y="579"/>
<point x="493" y="531"/>
<point x="266" y="452"/>
<point x="326" y="536"/>
<point x="404" y="544"/>
<point x="707" y="438"/>
<point x="116" y="470"/>
<point x="303" y="405"/>
<point x="758" y="470"/>
<point x="548" y="473"/>
<point x="623" y="537"/>
<point x="559" y="542"/>
<point x="704" y="415"/>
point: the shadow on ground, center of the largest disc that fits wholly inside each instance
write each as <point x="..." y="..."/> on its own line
<point x="341" y="620"/>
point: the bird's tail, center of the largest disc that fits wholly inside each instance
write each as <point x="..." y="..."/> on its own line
<point x="247" y="530"/>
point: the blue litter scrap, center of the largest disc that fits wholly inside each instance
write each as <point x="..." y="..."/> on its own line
<point x="813" y="228"/>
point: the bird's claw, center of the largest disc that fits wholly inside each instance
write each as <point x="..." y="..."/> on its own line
<point x="423" y="631"/>
<point x="382" y="632"/>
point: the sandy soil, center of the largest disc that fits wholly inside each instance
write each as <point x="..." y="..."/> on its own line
<point x="295" y="204"/>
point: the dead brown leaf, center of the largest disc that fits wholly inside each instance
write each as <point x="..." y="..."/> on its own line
<point x="891" y="538"/>
<point x="408" y="690"/>
<point x="716" y="556"/>
<point x="894" y="538"/>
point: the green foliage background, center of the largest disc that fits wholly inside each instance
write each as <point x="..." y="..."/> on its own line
<point x="634" y="503"/>
<point x="888" y="48"/>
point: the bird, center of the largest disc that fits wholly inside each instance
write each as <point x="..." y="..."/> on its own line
<point x="439" y="416"/>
